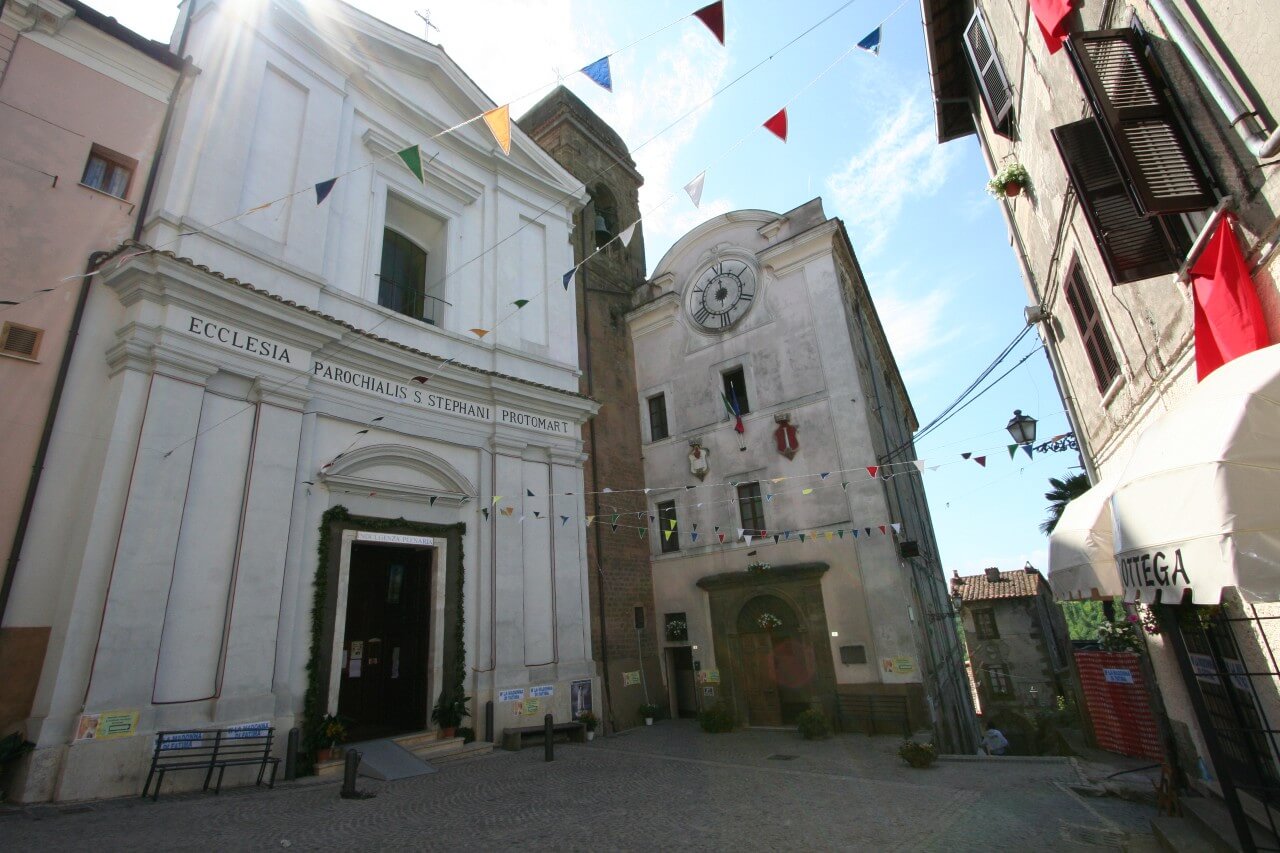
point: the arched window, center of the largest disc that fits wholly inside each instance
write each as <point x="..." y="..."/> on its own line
<point x="605" y="220"/>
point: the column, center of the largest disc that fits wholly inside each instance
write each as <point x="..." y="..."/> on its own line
<point x="571" y="571"/>
<point x="539" y="591"/>
<point x="508" y="561"/>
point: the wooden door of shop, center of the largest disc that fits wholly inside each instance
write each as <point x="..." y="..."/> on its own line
<point x="384" y="676"/>
<point x="759" y="679"/>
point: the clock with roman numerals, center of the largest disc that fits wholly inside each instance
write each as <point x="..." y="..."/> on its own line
<point x="722" y="294"/>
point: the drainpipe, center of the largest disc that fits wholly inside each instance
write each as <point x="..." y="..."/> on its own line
<point x="1255" y="139"/>
<point x="154" y="172"/>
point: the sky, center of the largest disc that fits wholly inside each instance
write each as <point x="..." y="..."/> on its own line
<point x="932" y="244"/>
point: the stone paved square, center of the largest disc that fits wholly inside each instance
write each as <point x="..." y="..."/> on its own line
<point x="669" y="787"/>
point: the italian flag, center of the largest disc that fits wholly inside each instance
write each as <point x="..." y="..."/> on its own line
<point x="732" y="409"/>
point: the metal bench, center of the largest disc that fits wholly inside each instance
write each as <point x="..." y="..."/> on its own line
<point x="870" y="709"/>
<point x="209" y="750"/>
<point x="513" y="738"/>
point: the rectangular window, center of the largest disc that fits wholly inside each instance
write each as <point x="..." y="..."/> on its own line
<point x="107" y="172"/>
<point x="403" y="276"/>
<point x="1093" y="337"/>
<point x="998" y="681"/>
<point x="751" y="508"/>
<point x="1140" y="121"/>
<point x="735" y="390"/>
<point x="984" y="625"/>
<point x="658" y="417"/>
<point x="676" y="627"/>
<point x="993" y="82"/>
<point x="851" y="655"/>
<point x="668" y="527"/>
<point x="1132" y="246"/>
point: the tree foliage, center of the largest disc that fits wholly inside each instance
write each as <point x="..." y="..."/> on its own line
<point x="1059" y="495"/>
<point x="1083" y="619"/>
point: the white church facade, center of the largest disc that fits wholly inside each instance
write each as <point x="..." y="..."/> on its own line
<point x="315" y="459"/>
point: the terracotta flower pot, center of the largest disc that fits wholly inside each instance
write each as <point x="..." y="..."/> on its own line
<point x="447" y="732"/>
<point x="1012" y="188"/>
<point x="327" y="753"/>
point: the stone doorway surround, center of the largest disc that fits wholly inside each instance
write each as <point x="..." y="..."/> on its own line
<point x="798" y="585"/>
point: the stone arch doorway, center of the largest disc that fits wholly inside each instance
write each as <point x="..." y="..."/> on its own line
<point x="776" y="660"/>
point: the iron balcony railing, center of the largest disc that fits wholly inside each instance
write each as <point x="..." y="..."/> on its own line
<point x="410" y="301"/>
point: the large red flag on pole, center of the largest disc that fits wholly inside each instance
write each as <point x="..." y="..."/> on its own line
<point x="1228" y="315"/>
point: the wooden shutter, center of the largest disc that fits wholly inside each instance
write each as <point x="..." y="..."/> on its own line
<point x="1141" y="124"/>
<point x="22" y="341"/>
<point x="1093" y="337"/>
<point x="1133" y="247"/>
<point x="997" y="94"/>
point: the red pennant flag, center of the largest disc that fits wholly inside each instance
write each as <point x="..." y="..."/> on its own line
<point x="882" y="529"/>
<point x="871" y="471"/>
<point x="1051" y="15"/>
<point x="713" y="16"/>
<point x="721" y="535"/>
<point x="1228" y="316"/>
<point x="777" y="125"/>
<point x="981" y="460"/>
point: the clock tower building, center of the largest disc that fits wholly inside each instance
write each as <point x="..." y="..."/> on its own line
<point x="795" y="566"/>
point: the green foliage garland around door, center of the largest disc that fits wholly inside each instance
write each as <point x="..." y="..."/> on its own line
<point x="313" y="706"/>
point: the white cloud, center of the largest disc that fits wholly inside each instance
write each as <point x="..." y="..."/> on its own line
<point x="917" y="329"/>
<point x="903" y="162"/>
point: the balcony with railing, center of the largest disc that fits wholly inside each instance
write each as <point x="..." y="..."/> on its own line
<point x="410" y="301"/>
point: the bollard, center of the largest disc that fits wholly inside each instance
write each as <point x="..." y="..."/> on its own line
<point x="350" y="769"/>
<point x="488" y="721"/>
<point x="548" y="737"/>
<point x="291" y="755"/>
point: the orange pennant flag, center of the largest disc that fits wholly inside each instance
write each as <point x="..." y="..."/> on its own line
<point x="479" y="333"/>
<point x="499" y="121"/>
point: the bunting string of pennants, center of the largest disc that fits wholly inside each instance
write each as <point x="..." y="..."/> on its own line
<point x="498" y="122"/>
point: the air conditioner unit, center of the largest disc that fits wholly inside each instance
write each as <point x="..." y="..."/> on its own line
<point x="908" y="548"/>
<point x="1035" y="314"/>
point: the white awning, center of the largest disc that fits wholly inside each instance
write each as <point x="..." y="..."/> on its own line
<point x="1198" y="505"/>
<point x="1082" y="561"/>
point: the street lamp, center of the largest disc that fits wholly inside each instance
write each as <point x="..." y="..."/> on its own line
<point x="1022" y="427"/>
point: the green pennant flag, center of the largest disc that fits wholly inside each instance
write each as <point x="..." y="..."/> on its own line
<point x="1013" y="448"/>
<point x="520" y="303"/>
<point x="615" y="518"/>
<point x="840" y="533"/>
<point x="642" y="532"/>
<point x="801" y="537"/>
<point x="412" y="158"/>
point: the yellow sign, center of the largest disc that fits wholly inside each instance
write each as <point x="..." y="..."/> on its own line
<point x="630" y="679"/>
<point x="901" y="665"/>
<point x="713" y="676"/>
<point x="106" y="725"/>
<point x="528" y="707"/>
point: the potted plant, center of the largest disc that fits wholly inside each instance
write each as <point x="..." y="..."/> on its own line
<point x="918" y="754"/>
<point x="1009" y="181"/>
<point x="1119" y="636"/>
<point x="449" y="713"/>
<point x="589" y="722"/>
<point x="813" y="725"/>
<point x="333" y="731"/>
<point x="677" y="631"/>
<point x="758" y="567"/>
<point x="768" y="621"/>
<point x="648" y="712"/>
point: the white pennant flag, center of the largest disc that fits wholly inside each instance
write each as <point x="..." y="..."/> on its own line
<point x="741" y="530"/>
<point x="694" y="189"/>
<point x="628" y="233"/>
<point x="919" y="463"/>
<point x="749" y="538"/>
<point x="897" y="528"/>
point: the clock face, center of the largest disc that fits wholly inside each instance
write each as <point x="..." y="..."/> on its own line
<point x="722" y="294"/>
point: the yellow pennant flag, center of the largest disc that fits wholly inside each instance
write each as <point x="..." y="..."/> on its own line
<point x="829" y="535"/>
<point x="807" y="492"/>
<point x="499" y="121"/>
<point x="479" y="333"/>
<point x="507" y="511"/>
<point x="666" y="534"/>
<point x="496" y="498"/>
<point x="777" y="479"/>
<point x="590" y="518"/>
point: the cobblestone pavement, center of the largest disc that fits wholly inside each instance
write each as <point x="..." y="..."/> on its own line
<point x="666" y="787"/>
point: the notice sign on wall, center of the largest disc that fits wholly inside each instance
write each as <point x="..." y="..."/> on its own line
<point x="514" y="695"/>
<point x="1118" y="676"/>
<point x="543" y="691"/>
<point x="528" y="707"/>
<point x="106" y="725"/>
<point x="900" y="665"/>
<point x="630" y="679"/>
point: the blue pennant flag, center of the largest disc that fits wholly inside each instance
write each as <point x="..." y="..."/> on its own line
<point x="323" y="189"/>
<point x="568" y="277"/>
<point x="1030" y="454"/>
<point x="564" y="519"/>
<point x="871" y="43"/>
<point x="693" y="537"/>
<point x="599" y="72"/>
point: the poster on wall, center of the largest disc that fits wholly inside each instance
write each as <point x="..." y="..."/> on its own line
<point x="580" y="697"/>
<point x="106" y="725"/>
<point x="514" y="695"/>
<point x="630" y="679"/>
